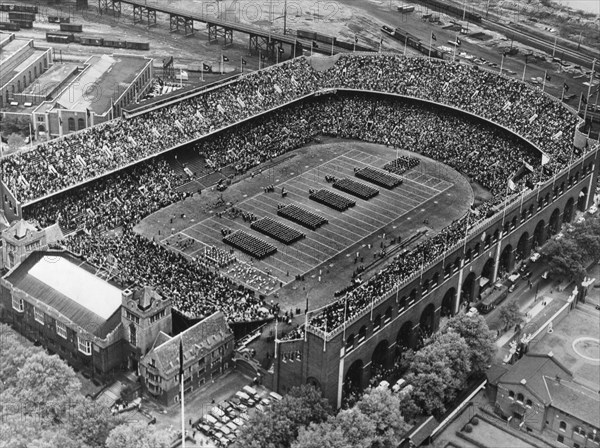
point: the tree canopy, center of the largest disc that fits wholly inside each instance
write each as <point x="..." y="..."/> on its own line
<point x="510" y="315"/>
<point x="139" y="435"/>
<point x="375" y="421"/>
<point x="279" y="425"/>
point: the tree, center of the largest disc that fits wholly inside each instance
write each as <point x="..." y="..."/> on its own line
<point x="45" y="385"/>
<point x="14" y="354"/>
<point x="383" y="409"/>
<point x="510" y="315"/>
<point x="54" y="439"/>
<point x="89" y="422"/>
<point x="565" y="258"/>
<point x="139" y="435"/>
<point x="458" y="354"/>
<point x="478" y="337"/>
<point x="375" y="421"/>
<point x="427" y="396"/>
<point x="279" y="426"/>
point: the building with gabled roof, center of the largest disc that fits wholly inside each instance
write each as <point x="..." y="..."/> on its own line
<point x="539" y="393"/>
<point x="207" y="350"/>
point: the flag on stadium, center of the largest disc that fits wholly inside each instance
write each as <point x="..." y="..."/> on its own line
<point x="88" y="113"/>
<point x="355" y="39"/>
<point x="314" y="44"/>
<point x="280" y="50"/>
<point x="206" y="67"/>
<point x="458" y="41"/>
<point x="566" y="87"/>
<point x="545" y="159"/>
<point x="548" y="77"/>
<point x="577" y="151"/>
<point x="225" y="58"/>
<point x="583" y="98"/>
<point x="433" y="36"/>
<point x="511" y="185"/>
<point x="244" y="61"/>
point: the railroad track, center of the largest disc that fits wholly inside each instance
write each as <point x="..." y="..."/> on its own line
<point x="541" y="44"/>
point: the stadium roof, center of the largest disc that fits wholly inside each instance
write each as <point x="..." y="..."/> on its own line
<point x="70" y="287"/>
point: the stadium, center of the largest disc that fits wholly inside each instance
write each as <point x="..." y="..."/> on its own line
<point x="369" y="194"/>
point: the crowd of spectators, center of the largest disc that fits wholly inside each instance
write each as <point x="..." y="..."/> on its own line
<point x="485" y="154"/>
<point x="194" y="287"/>
<point x="62" y="163"/>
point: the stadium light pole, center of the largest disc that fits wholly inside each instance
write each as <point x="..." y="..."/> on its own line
<point x="589" y="92"/>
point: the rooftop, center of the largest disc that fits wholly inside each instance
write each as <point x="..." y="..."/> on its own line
<point x="103" y="81"/>
<point x="70" y="286"/>
<point x="533" y="368"/>
<point x="51" y="79"/>
<point x="575" y="399"/>
<point x="198" y="341"/>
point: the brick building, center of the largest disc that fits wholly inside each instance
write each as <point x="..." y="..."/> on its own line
<point x="207" y="350"/>
<point x="539" y="394"/>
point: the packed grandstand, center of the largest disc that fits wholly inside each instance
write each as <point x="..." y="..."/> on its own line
<point x="326" y="101"/>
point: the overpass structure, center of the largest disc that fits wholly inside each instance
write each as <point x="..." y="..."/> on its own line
<point x="266" y="42"/>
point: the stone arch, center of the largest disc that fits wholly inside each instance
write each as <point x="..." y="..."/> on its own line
<point x="488" y="269"/>
<point x="353" y="380"/>
<point x="380" y="358"/>
<point x="80" y="124"/>
<point x="555" y="223"/>
<point x="468" y="288"/>
<point x="523" y="248"/>
<point x="41" y="128"/>
<point x="312" y="381"/>
<point x="427" y="320"/>
<point x="449" y="303"/>
<point x="350" y="342"/>
<point x="539" y="234"/>
<point x="71" y="124"/>
<point x="582" y="199"/>
<point x="568" y="212"/>
<point x="507" y="259"/>
<point x="404" y="339"/>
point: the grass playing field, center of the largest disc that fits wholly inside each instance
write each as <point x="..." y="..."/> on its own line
<point x="431" y="196"/>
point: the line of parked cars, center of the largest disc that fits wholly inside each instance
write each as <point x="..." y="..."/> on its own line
<point x="223" y="423"/>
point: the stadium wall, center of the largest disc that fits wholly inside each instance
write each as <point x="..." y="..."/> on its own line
<point x="346" y="355"/>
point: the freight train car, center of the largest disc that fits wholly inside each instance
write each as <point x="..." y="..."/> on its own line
<point x="329" y="40"/>
<point x="8" y="7"/>
<point x="138" y="45"/>
<point x="446" y="8"/>
<point x="306" y="34"/>
<point x="9" y="26"/>
<point x="60" y="38"/>
<point x="71" y="27"/>
<point x="115" y="43"/>
<point x="23" y="23"/>
<point x="56" y="19"/>
<point x="25" y="16"/>
<point x="91" y="41"/>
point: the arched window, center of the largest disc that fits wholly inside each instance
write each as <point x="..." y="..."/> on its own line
<point x="377" y="323"/>
<point x="562" y="425"/>
<point x="132" y="335"/>
<point x="71" y="122"/>
<point x="528" y="403"/>
<point x="511" y="394"/>
<point x="80" y="123"/>
<point x="362" y="334"/>
<point x="388" y="315"/>
<point x="520" y="397"/>
<point x="350" y="342"/>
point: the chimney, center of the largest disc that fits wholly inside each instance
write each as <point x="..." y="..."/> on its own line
<point x="145" y="298"/>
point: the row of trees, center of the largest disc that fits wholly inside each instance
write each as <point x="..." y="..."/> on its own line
<point x="567" y="257"/>
<point x="304" y="419"/>
<point x="41" y="405"/>
<point x="440" y="369"/>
